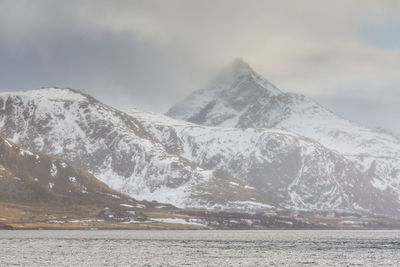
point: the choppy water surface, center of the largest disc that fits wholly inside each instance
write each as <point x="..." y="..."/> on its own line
<point x="200" y="248"/>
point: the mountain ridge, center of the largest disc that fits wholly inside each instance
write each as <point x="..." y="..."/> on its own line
<point x="112" y="145"/>
<point x="252" y="147"/>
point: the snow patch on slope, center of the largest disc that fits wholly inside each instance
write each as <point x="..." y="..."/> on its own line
<point x="55" y="94"/>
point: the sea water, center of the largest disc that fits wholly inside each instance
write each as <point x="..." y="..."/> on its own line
<point x="199" y="248"/>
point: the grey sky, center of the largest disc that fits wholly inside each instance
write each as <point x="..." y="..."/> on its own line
<point x="150" y="54"/>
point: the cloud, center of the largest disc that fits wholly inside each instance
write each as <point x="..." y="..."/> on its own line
<point x="374" y="109"/>
<point x="156" y="52"/>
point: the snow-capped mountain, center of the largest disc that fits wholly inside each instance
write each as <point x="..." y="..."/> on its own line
<point x="114" y="147"/>
<point x="241" y="98"/>
<point x="244" y="144"/>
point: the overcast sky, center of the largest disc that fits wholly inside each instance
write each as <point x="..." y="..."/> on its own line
<point x="150" y="54"/>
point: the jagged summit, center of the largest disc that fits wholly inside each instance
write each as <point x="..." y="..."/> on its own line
<point x="240" y="73"/>
<point x="227" y="98"/>
<point x="240" y="66"/>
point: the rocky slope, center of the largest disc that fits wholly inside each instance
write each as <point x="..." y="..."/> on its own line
<point x="43" y="183"/>
<point x="40" y="191"/>
<point x="33" y="177"/>
<point x="295" y="172"/>
<point x="115" y="148"/>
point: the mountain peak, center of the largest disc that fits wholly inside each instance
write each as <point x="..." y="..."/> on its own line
<point x="240" y="74"/>
<point x="240" y="66"/>
<point x="221" y="104"/>
<point x="238" y="69"/>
